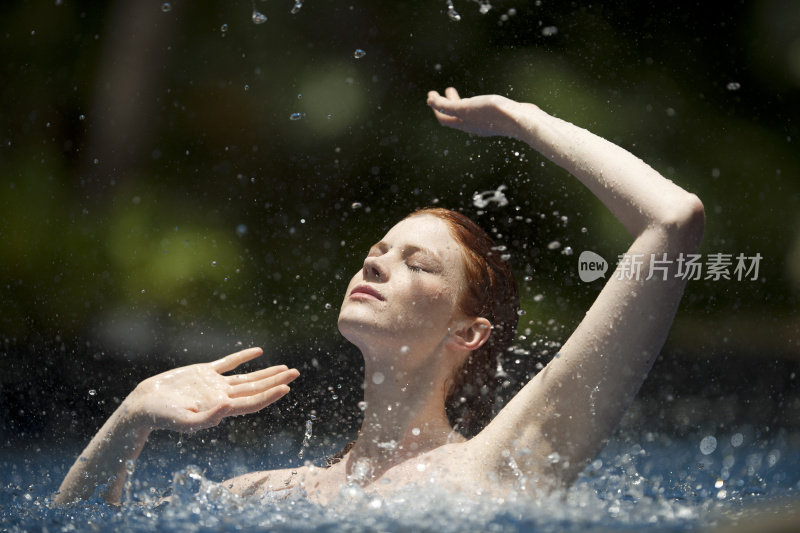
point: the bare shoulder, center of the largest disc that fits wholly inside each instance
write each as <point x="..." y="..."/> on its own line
<point x="257" y="483"/>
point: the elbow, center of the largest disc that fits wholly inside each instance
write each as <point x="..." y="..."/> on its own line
<point x="686" y="222"/>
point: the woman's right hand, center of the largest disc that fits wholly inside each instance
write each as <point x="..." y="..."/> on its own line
<point x="199" y="396"/>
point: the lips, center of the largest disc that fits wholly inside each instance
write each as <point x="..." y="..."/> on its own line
<point x="365" y="292"/>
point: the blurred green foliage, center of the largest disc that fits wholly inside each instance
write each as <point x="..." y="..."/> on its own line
<point x="158" y="200"/>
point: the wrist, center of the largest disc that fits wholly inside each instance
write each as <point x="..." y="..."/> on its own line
<point x="132" y="416"/>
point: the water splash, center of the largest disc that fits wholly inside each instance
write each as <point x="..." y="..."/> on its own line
<point x="483" y="199"/>
<point x="654" y="484"/>
<point x="485" y="6"/>
<point x="452" y="14"/>
<point x="258" y="17"/>
<point x="307" y="436"/>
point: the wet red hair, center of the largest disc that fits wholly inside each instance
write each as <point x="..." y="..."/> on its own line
<point x="490" y="292"/>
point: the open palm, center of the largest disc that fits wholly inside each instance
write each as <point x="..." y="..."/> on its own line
<point x="199" y="396"/>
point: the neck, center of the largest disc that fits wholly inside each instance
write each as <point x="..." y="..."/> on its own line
<point x="404" y="417"/>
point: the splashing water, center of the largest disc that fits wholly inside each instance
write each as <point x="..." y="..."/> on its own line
<point x="641" y="482"/>
<point x="307" y="436"/>
<point x="258" y="17"/>
<point x="483" y="199"/>
<point x="451" y="12"/>
<point x="484" y="6"/>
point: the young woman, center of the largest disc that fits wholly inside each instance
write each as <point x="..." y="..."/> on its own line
<point x="430" y="310"/>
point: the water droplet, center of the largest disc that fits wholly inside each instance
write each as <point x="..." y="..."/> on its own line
<point x="737" y="439"/>
<point x="362" y="405"/>
<point x="213" y="263"/>
<point x="166" y="7"/>
<point x="553" y="458"/>
<point x="259" y="17"/>
<point x="92" y="392"/>
<point x="555" y="245"/>
<point x="708" y="445"/>
<point x="81" y="117"/>
<point x="733" y="86"/>
<point x="355" y="205"/>
<point x="296" y="7"/>
<point x="246" y="87"/>
<point x="306" y="437"/>
<point x="567" y="250"/>
<point x="452" y="13"/>
<point x="359" y="53"/>
<point x="241" y="230"/>
<point x="549" y="31"/>
<point x="404" y="349"/>
<point x="328" y="306"/>
<point x="377" y="378"/>
<point x="223" y="29"/>
<point x="415" y="431"/>
<point x="296" y="116"/>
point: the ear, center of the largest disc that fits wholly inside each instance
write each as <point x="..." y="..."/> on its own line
<point x="471" y="334"/>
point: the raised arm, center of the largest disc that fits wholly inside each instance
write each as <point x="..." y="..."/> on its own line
<point x="572" y="406"/>
<point x="185" y="399"/>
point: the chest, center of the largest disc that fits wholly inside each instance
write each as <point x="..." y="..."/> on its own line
<point x="446" y="469"/>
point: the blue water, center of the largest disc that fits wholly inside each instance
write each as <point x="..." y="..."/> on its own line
<point x="639" y="482"/>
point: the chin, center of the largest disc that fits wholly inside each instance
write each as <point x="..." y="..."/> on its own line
<point x="354" y="329"/>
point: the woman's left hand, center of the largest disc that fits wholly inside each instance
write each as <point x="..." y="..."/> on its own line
<point x="484" y="115"/>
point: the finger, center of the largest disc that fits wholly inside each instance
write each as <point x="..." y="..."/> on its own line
<point x="251" y="404"/>
<point x="236" y="379"/>
<point x="257" y="387"/>
<point x="437" y="101"/>
<point x="447" y="120"/>
<point x="229" y="362"/>
<point x="451" y="93"/>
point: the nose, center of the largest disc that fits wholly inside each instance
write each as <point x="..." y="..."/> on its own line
<point x="374" y="270"/>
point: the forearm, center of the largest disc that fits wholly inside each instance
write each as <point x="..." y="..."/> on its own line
<point x="633" y="191"/>
<point x="103" y="462"/>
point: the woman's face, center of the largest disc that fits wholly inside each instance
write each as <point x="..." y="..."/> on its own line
<point x="407" y="293"/>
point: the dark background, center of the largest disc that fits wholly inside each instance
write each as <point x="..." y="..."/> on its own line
<point x="159" y="207"/>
